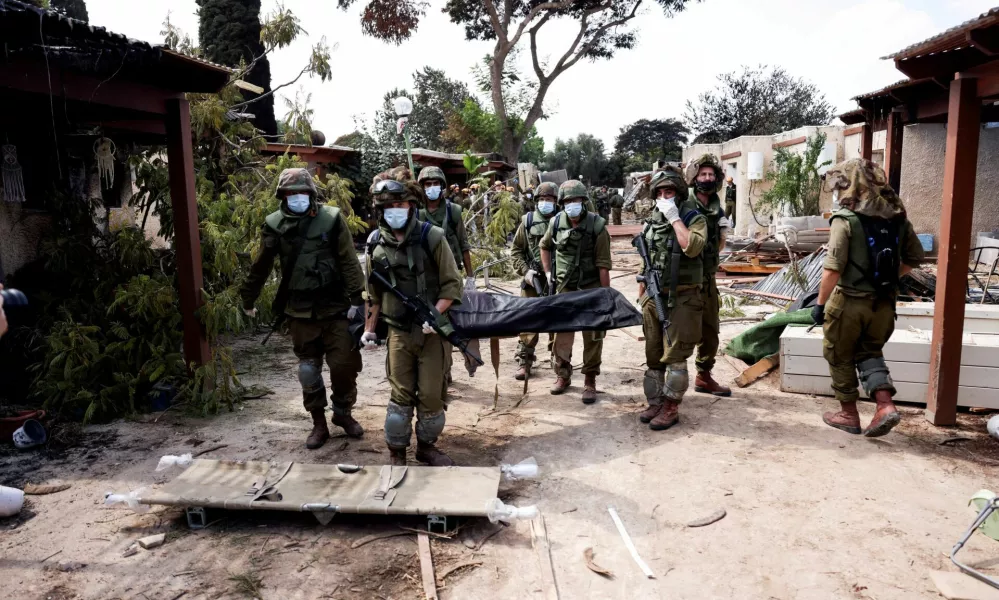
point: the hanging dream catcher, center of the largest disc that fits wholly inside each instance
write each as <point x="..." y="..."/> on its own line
<point x="13" y="181"/>
<point x="104" y="152"/>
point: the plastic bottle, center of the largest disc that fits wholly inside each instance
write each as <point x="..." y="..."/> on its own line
<point x="130" y="499"/>
<point x="525" y="469"/>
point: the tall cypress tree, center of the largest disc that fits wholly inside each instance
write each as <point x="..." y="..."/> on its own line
<point x="229" y="30"/>
<point x="74" y="9"/>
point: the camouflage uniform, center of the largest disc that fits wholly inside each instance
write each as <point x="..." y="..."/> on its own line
<point x="858" y="321"/>
<point x="528" y="201"/>
<point x="578" y="254"/>
<point x="527" y="256"/>
<point x="731" y="195"/>
<point x="616" y="204"/>
<point x="601" y="201"/>
<point x="325" y="281"/>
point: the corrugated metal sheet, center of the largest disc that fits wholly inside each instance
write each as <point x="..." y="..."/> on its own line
<point x="783" y="283"/>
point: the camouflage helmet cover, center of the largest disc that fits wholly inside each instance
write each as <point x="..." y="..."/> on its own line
<point x="431" y="173"/>
<point x="863" y="188"/>
<point x="547" y="189"/>
<point x="706" y="160"/>
<point x="672" y="178"/>
<point x="571" y="189"/>
<point x="409" y="190"/>
<point x="296" y="180"/>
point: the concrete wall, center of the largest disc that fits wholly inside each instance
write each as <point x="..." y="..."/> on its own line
<point x="923" y="149"/>
<point x="20" y="232"/>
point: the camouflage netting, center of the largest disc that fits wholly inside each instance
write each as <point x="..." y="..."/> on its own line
<point x="414" y="193"/>
<point x="863" y="188"/>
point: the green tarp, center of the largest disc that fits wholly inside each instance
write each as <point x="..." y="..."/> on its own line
<point x="760" y="341"/>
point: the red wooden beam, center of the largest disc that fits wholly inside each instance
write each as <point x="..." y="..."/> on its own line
<point x="187" y="241"/>
<point x="960" y="167"/>
<point x="893" y="149"/>
<point x="853" y="131"/>
<point x="731" y="155"/>
<point x="791" y="142"/>
<point x="867" y="142"/>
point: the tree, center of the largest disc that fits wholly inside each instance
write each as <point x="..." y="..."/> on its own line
<point x="756" y="102"/>
<point x="229" y="34"/>
<point x="436" y="99"/>
<point x="355" y="139"/>
<point x="581" y="156"/>
<point x="602" y="28"/>
<point x="652" y="140"/>
<point x="795" y="180"/>
<point x="74" y="9"/>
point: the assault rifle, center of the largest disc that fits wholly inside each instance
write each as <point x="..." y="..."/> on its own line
<point x="537" y="281"/>
<point x="651" y="277"/>
<point x="425" y="313"/>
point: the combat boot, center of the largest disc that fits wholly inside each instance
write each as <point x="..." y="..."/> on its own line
<point x="705" y="384"/>
<point x="590" y="389"/>
<point x="885" y="416"/>
<point x="523" y="372"/>
<point x="320" y="431"/>
<point x="650" y="413"/>
<point x="561" y="385"/>
<point x="397" y="456"/>
<point x="669" y="415"/>
<point x="349" y="425"/>
<point x="847" y="419"/>
<point x="429" y="454"/>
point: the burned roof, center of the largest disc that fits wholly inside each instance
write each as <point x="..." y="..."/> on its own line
<point x="29" y="31"/>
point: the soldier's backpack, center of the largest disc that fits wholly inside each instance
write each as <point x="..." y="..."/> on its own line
<point x="883" y="241"/>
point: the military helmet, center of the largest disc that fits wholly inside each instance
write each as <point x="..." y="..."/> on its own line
<point x="670" y="177"/>
<point x="395" y="185"/>
<point x="547" y="189"/>
<point x="706" y="160"/>
<point x="296" y="180"/>
<point x="571" y="189"/>
<point x="431" y="173"/>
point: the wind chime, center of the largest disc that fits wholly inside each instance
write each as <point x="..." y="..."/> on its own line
<point x="13" y="180"/>
<point x="104" y="152"/>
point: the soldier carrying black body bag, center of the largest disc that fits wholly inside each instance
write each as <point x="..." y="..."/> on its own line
<point x="871" y="245"/>
<point x="321" y="280"/>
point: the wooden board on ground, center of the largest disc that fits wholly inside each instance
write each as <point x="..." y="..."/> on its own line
<point x="744" y="268"/>
<point x="624" y="230"/>
<point x="958" y="586"/>
<point x="539" y="538"/>
<point x="761" y="368"/>
<point x="427" y="567"/>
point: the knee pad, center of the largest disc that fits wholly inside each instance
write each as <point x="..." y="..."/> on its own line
<point x="429" y="426"/>
<point x="653" y="383"/>
<point x="874" y="375"/>
<point x="398" y="425"/>
<point x="310" y="375"/>
<point x="677" y="380"/>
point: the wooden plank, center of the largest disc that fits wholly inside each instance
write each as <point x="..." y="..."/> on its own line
<point x="893" y="149"/>
<point x="907" y="372"/>
<point x="758" y="370"/>
<point x="427" y="567"/>
<point x="733" y="267"/>
<point x="960" y="170"/>
<point x="867" y="142"/>
<point x="791" y="142"/>
<point x="853" y="131"/>
<point x="539" y="539"/>
<point x="907" y="392"/>
<point x="731" y="155"/>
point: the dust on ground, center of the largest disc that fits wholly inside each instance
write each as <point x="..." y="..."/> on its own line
<point x="811" y="512"/>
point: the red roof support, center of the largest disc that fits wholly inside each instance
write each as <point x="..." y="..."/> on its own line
<point x="893" y="149"/>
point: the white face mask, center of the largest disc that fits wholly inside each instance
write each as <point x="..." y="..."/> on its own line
<point x="433" y="192"/>
<point x="574" y="210"/>
<point x="298" y="203"/>
<point x="396" y="217"/>
<point x="546" y="207"/>
<point x="663" y="204"/>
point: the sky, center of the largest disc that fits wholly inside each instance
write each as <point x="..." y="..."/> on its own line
<point x="836" y="45"/>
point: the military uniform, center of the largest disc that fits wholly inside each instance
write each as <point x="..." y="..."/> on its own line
<point x="601" y="202"/>
<point x="527" y="256"/>
<point x="324" y="282"/>
<point x="617" y="205"/>
<point x="730" y="201"/>
<point x="579" y="253"/>
<point x="858" y="320"/>
<point x="527" y="201"/>
<point x="421" y="264"/>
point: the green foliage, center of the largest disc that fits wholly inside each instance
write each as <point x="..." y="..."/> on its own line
<point x="74" y="9"/>
<point x="581" y="156"/>
<point x="652" y="140"/>
<point x="795" y="181"/>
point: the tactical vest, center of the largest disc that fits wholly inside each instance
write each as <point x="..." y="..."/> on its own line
<point x="710" y="256"/>
<point x="408" y="264"/>
<point x="315" y="278"/>
<point x="575" y="250"/>
<point x="658" y="233"/>
<point x="447" y="217"/>
<point x="535" y="227"/>
<point x="855" y="275"/>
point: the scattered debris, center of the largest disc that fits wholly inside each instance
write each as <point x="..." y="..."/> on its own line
<point x="953" y="440"/>
<point x="427" y="567"/>
<point x="248" y="584"/>
<point x="132" y="550"/>
<point x="50" y="556"/>
<point x="487" y="537"/>
<point x="207" y="450"/>
<point x="11" y="501"/>
<point x="455" y="568"/>
<point x="629" y="544"/>
<point x="758" y="370"/>
<point x="31" y="489"/>
<point x="377" y="536"/>
<point x="68" y="566"/>
<point x="152" y="541"/>
<point x="712" y="518"/>
<point x="958" y="586"/>
<point x="539" y="539"/>
<point x="588" y="556"/>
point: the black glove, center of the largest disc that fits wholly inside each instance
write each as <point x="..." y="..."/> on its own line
<point x="819" y="314"/>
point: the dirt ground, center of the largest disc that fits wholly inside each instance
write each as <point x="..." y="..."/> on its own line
<point x="811" y="512"/>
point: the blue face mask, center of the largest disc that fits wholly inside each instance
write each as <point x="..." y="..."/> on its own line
<point x="433" y="192"/>
<point x="396" y="217"/>
<point x="298" y="203"/>
<point x="574" y="209"/>
<point x="546" y="207"/>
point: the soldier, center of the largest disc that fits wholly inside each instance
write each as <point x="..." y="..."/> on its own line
<point x="322" y="279"/>
<point x="415" y="255"/>
<point x="675" y="234"/>
<point x="705" y="177"/>
<point x="527" y="261"/>
<point x="582" y="261"/>
<point x="601" y="201"/>
<point x="731" y="195"/>
<point x="616" y="204"/>
<point x="527" y="200"/>
<point x="871" y="245"/>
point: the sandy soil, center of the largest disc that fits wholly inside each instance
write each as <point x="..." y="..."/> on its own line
<point x="811" y="512"/>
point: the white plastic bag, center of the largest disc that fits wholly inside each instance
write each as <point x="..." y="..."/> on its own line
<point x="525" y="469"/>
<point x="130" y="499"/>
<point x="184" y="460"/>
<point x="497" y="511"/>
